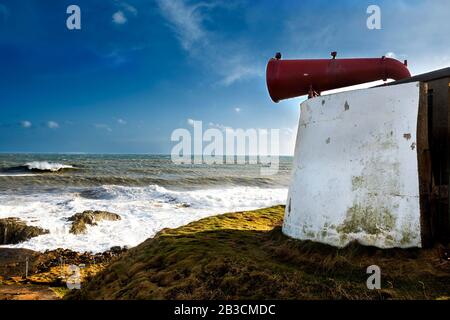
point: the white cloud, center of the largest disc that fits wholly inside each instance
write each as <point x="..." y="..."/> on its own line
<point x="102" y="126"/>
<point x="52" y="124"/>
<point x="121" y="121"/>
<point x="129" y="8"/>
<point x="238" y="68"/>
<point x="232" y="60"/>
<point x="26" y="124"/>
<point x="237" y="109"/>
<point x="119" y="17"/>
<point x="186" y="21"/>
<point x="391" y="54"/>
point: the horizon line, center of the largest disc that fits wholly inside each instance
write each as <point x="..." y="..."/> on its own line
<point x="126" y="153"/>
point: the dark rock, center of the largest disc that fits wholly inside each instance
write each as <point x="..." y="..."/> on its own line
<point x="80" y="220"/>
<point x="117" y="250"/>
<point x="14" y="230"/>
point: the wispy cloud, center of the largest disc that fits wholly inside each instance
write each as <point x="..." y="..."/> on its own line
<point x="121" y="16"/>
<point x="52" y="124"/>
<point x="186" y="21"/>
<point x="26" y="124"/>
<point x="102" y="126"/>
<point x="128" y="8"/>
<point x="237" y="109"/>
<point x="391" y="54"/>
<point x="121" y="121"/>
<point x="229" y="59"/>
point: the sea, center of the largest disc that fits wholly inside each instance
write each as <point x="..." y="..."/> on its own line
<point x="149" y="192"/>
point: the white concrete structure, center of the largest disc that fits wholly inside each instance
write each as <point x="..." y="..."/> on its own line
<point x="355" y="173"/>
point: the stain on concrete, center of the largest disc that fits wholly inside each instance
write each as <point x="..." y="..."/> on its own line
<point x="357" y="182"/>
<point x="362" y="218"/>
<point x="407" y="136"/>
<point x="289" y="206"/>
<point x="406" y="237"/>
<point x="384" y="140"/>
<point x="328" y="140"/>
<point x="413" y="146"/>
<point x="408" y="234"/>
<point x="307" y="230"/>
<point x="346" y="106"/>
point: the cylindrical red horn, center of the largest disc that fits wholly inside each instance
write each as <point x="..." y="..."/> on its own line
<point x="292" y="78"/>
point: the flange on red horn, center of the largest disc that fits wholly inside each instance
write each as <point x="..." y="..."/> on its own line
<point x="292" y="78"/>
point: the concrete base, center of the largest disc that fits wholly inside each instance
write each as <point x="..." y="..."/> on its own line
<point x="355" y="173"/>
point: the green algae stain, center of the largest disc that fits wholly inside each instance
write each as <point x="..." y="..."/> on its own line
<point x="407" y="235"/>
<point x="307" y="231"/>
<point x="357" y="182"/>
<point x="310" y="234"/>
<point x="343" y="239"/>
<point x="367" y="219"/>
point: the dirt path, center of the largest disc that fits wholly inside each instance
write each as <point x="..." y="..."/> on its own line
<point x="27" y="292"/>
<point x="47" y="272"/>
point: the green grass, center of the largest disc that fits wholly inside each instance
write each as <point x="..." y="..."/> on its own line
<point x="244" y="255"/>
<point x="60" y="291"/>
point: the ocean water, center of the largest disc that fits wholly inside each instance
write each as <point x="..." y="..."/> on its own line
<point x="149" y="193"/>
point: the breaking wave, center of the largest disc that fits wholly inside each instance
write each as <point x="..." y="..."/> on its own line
<point x="47" y="166"/>
<point x="38" y="166"/>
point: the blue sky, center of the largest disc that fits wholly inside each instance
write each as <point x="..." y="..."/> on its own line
<point x="138" y="69"/>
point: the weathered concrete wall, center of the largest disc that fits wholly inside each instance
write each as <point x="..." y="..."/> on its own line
<point x="355" y="173"/>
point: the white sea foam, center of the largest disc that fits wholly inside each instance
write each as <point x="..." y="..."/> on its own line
<point x="144" y="211"/>
<point x="47" y="166"/>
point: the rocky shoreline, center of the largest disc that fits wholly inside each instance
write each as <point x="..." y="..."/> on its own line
<point x="28" y="274"/>
<point x="14" y="230"/>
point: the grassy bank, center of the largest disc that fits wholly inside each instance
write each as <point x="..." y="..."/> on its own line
<point x="245" y="255"/>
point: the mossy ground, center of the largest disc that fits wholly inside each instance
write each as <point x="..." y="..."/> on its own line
<point x="244" y="255"/>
